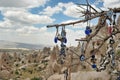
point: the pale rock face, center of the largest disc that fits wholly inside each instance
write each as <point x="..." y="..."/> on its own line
<point x="90" y="75"/>
<point x="5" y="74"/>
<point x="56" y="77"/>
<point x="93" y="75"/>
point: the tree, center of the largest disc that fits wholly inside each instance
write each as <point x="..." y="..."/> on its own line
<point x="103" y="17"/>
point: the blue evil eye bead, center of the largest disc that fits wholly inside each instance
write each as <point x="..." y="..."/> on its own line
<point x="94" y="66"/>
<point x="55" y="39"/>
<point x="87" y="31"/>
<point x="82" y="57"/>
<point x="65" y="40"/>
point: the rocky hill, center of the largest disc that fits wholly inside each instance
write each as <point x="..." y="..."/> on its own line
<point x="16" y="45"/>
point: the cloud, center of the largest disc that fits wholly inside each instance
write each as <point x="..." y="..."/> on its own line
<point x="25" y="17"/>
<point x="28" y="34"/>
<point x="97" y="2"/>
<point x="73" y="10"/>
<point x="51" y="10"/>
<point x="31" y="34"/>
<point x="6" y="24"/>
<point x="29" y="30"/>
<point x="18" y="24"/>
<point x="70" y="11"/>
<point x="111" y="3"/>
<point x="72" y="35"/>
<point x="22" y="3"/>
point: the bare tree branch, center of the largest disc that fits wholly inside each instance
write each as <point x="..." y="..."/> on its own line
<point x="97" y="14"/>
<point x="106" y="38"/>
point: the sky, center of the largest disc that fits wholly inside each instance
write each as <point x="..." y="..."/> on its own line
<point x="26" y="20"/>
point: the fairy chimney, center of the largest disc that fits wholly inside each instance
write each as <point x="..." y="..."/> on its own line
<point x="33" y="58"/>
<point x="6" y="61"/>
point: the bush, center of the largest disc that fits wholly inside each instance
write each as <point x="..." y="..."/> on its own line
<point x="118" y="52"/>
<point x="17" y="65"/>
<point x="16" y="72"/>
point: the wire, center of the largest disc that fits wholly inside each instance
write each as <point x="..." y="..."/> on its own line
<point x="57" y="28"/>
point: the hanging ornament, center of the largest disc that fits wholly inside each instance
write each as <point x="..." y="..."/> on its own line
<point x="94" y="66"/>
<point x="88" y="30"/>
<point x="55" y="39"/>
<point x="82" y="57"/>
<point x="111" y="40"/>
<point x="65" y="40"/>
<point x="63" y="45"/>
<point x="93" y="59"/>
<point x="93" y="56"/>
<point x="114" y="17"/>
<point x="66" y="74"/>
<point x="62" y="51"/>
<point x="109" y="14"/>
<point x="87" y="27"/>
<point x="110" y="28"/>
<point x="63" y="34"/>
<point x="112" y="54"/>
<point x="118" y="78"/>
<point x="56" y="36"/>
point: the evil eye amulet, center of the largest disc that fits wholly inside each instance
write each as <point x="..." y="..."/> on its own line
<point x="94" y="66"/>
<point x="55" y="39"/>
<point x="82" y="57"/>
<point x="87" y="31"/>
<point x="65" y="40"/>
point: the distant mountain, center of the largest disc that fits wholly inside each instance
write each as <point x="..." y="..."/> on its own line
<point x="9" y="44"/>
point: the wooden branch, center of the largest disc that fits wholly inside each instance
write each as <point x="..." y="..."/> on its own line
<point x="98" y="27"/>
<point x="74" y="52"/>
<point x="93" y="8"/>
<point x="75" y="22"/>
<point x="116" y="10"/>
<point x="81" y="7"/>
<point x="80" y="40"/>
<point x="105" y="39"/>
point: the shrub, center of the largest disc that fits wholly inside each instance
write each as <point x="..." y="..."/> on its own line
<point x="16" y="72"/>
<point x="118" y="52"/>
